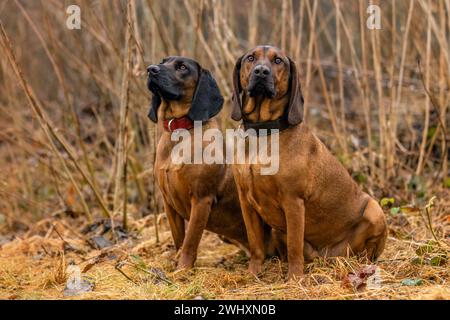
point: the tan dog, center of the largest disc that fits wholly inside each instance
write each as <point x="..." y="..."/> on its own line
<point x="312" y="199"/>
<point x="203" y="194"/>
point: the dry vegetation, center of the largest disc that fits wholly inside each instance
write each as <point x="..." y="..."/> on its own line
<point x="76" y="147"/>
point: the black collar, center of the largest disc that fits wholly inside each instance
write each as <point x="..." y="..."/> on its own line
<point x="279" y="124"/>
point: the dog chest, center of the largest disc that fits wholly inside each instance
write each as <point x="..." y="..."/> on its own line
<point x="262" y="194"/>
<point x="173" y="187"/>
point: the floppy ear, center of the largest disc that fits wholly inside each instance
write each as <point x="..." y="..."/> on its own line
<point x="153" y="113"/>
<point x="208" y="100"/>
<point x="295" y="108"/>
<point x="236" y="113"/>
<point x="156" y="101"/>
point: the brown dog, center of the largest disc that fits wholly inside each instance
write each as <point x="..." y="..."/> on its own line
<point x="203" y="194"/>
<point x="312" y="198"/>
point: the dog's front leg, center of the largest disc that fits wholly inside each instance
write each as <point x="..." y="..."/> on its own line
<point x="200" y="210"/>
<point x="295" y="222"/>
<point x="255" y="235"/>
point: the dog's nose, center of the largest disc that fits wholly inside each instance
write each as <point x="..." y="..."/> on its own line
<point x="261" y="71"/>
<point x="153" y="69"/>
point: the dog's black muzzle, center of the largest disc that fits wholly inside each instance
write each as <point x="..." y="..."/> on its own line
<point x="261" y="82"/>
<point x="162" y="83"/>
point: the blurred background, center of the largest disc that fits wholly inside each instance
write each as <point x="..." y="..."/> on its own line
<point x="74" y="134"/>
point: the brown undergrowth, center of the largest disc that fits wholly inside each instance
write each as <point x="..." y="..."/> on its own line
<point x="36" y="265"/>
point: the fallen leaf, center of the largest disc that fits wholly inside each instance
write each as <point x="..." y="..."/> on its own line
<point x="367" y="271"/>
<point x="104" y="256"/>
<point x="5" y="239"/>
<point x="438" y="260"/>
<point x="358" y="281"/>
<point x="77" y="288"/>
<point x="412" y="282"/>
<point x="99" y="242"/>
<point x="385" y="202"/>
<point x="409" y="209"/>
<point x="354" y="281"/>
<point x="159" y="275"/>
<point x="90" y="227"/>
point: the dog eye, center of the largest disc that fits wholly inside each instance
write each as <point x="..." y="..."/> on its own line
<point x="250" y="58"/>
<point x="278" y="61"/>
<point x="182" y="67"/>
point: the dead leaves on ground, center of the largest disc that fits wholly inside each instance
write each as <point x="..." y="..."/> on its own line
<point x="358" y="280"/>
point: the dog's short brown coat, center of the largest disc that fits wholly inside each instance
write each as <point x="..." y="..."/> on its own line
<point x="205" y="195"/>
<point x="312" y="199"/>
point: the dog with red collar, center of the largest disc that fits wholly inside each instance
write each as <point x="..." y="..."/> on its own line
<point x="203" y="195"/>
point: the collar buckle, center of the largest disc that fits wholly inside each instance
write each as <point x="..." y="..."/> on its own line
<point x="169" y="125"/>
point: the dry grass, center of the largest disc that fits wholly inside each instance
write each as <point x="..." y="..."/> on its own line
<point x="75" y="140"/>
<point x="34" y="267"/>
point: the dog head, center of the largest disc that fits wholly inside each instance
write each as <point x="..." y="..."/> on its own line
<point x="265" y="72"/>
<point x="187" y="88"/>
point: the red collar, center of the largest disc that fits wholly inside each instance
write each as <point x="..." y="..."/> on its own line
<point x="178" y="123"/>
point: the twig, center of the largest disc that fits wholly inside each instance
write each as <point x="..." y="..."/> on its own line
<point x="441" y="124"/>
<point x="118" y="267"/>
<point x="427" y="208"/>
<point x="122" y="148"/>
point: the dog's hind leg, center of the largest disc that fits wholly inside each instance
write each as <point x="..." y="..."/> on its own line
<point x="367" y="238"/>
<point x="377" y="232"/>
<point x="278" y="247"/>
<point x="276" y="244"/>
<point x="309" y="252"/>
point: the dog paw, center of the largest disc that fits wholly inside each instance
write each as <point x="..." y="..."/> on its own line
<point x="295" y="273"/>
<point x="185" y="263"/>
<point x="255" y="268"/>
